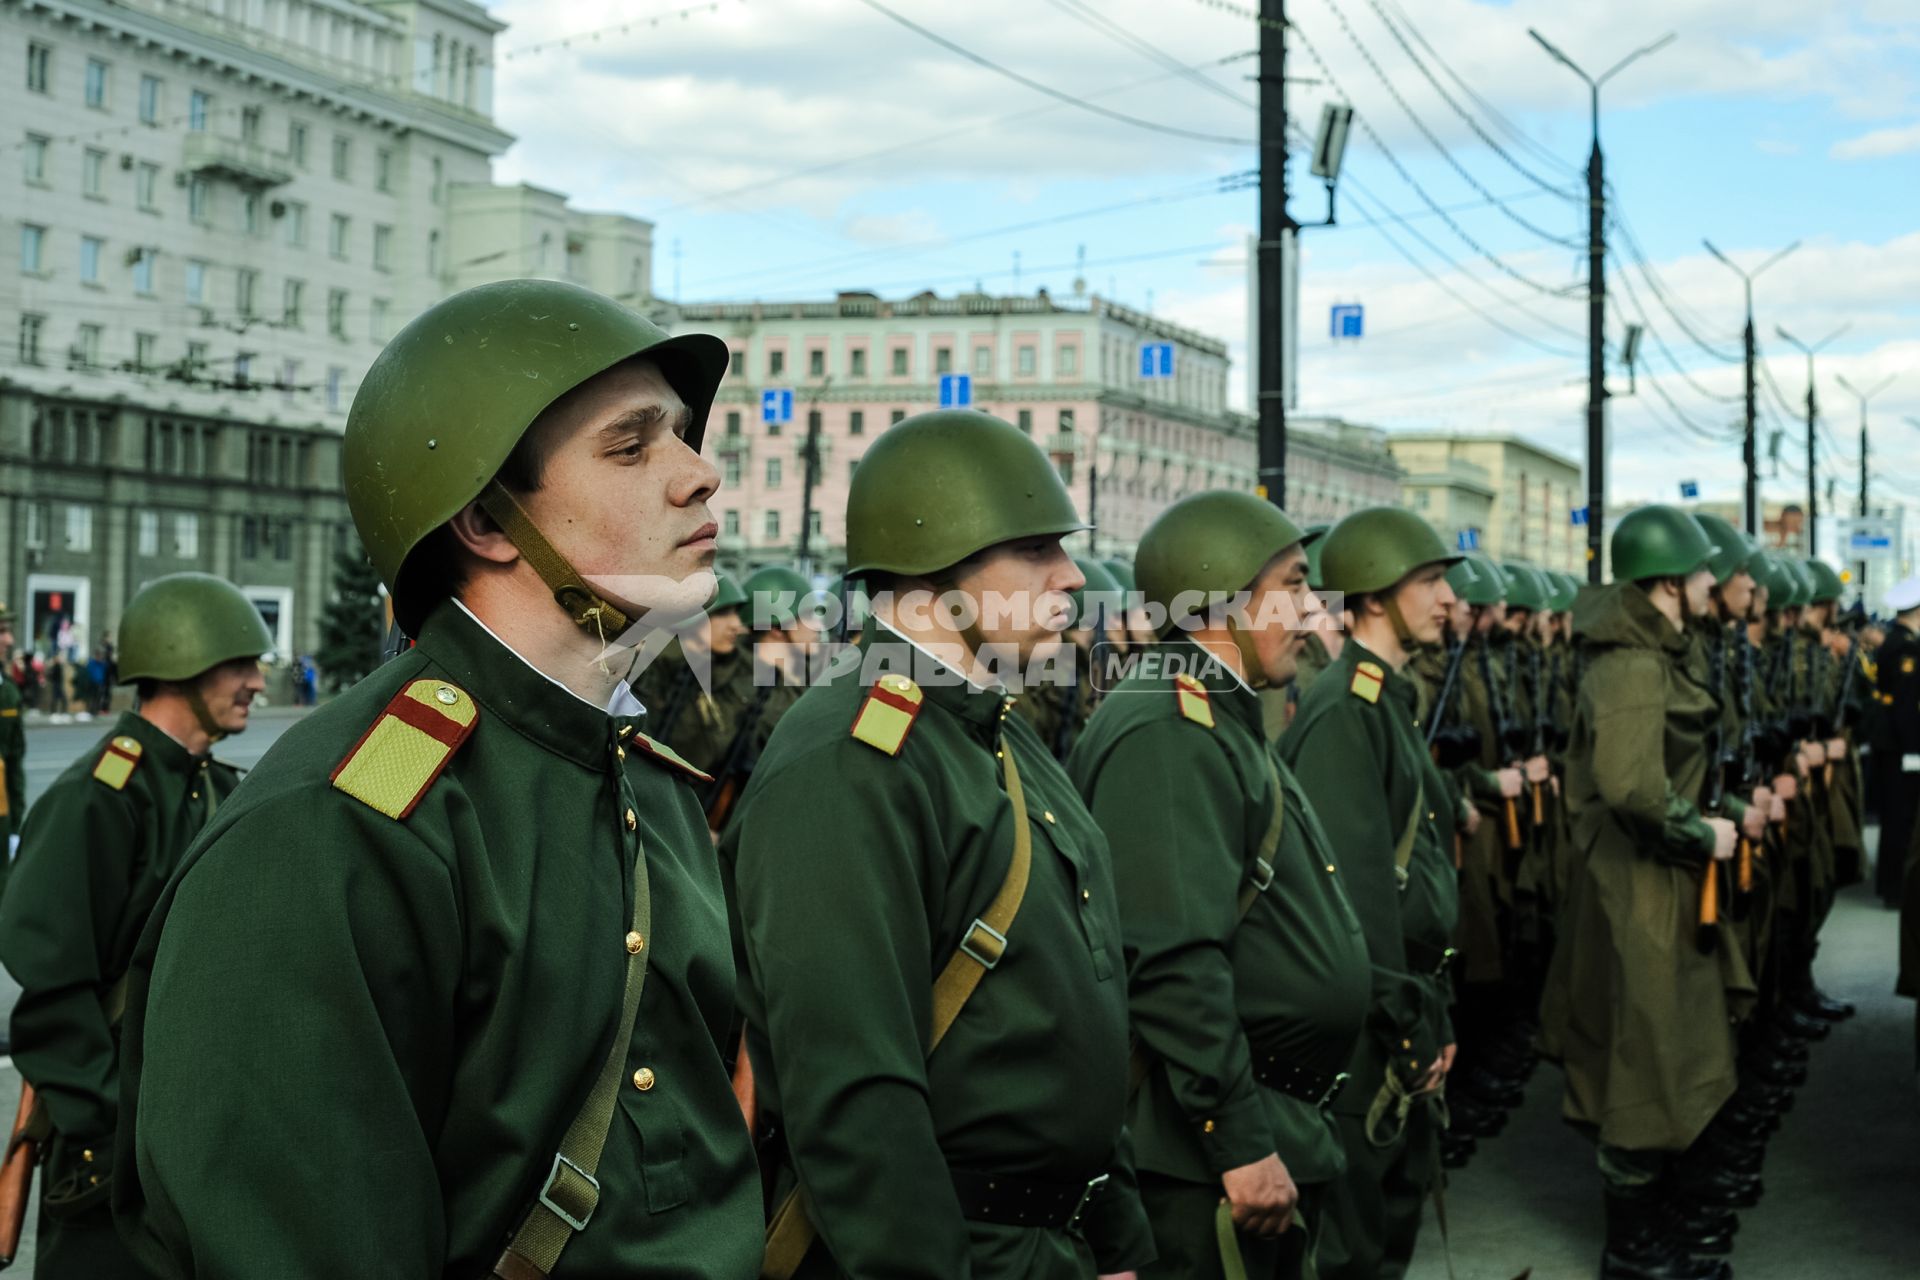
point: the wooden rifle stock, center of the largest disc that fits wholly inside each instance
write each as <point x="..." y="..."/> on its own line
<point x="16" y="1175"/>
<point x="1709" y="906"/>
<point x="1539" y="810"/>
<point x="1746" y="865"/>
<point x="1513" y="824"/>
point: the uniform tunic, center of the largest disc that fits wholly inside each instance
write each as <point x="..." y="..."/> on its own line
<point x="93" y="860"/>
<point x="857" y="873"/>
<point x="13" y="757"/>
<point x="355" y="1042"/>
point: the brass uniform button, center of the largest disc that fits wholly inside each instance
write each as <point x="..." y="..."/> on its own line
<point x="632" y="820"/>
<point x="1048" y="815"/>
<point x="634" y="943"/>
<point x="1086" y="895"/>
<point x="446" y="696"/>
<point x="87" y="1155"/>
<point x="620" y="753"/>
<point x="1207" y="1127"/>
<point x="643" y="1079"/>
<point x="1330" y="868"/>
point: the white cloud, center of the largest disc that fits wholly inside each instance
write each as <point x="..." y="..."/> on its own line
<point x="1879" y="143"/>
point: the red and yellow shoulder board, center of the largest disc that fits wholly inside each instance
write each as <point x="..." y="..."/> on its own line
<point x="888" y="713"/>
<point x="116" y="763"/>
<point x="668" y="757"/>
<point x="1368" y="679"/>
<point x="408" y="747"/>
<point x="1191" y="696"/>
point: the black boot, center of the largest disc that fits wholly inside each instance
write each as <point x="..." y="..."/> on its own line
<point x="1718" y="1188"/>
<point x="1819" y="1004"/>
<point x="1698" y="1229"/>
<point x="1640" y="1246"/>
<point x="1795" y="1023"/>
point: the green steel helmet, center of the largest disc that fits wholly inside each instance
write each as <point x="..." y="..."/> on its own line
<point x="1371" y="550"/>
<point x="727" y="594"/>
<point x="1658" y="541"/>
<point x="941" y="486"/>
<point x="1121" y="567"/>
<point x="1473" y="584"/>
<point x="446" y="401"/>
<point x="1487" y="565"/>
<point x="1316" y="539"/>
<point x="1733" y="550"/>
<point x="774" y="595"/>
<point x="1802" y="579"/>
<point x="1765" y="568"/>
<point x="1566" y="588"/>
<point x="184" y="624"/>
<point x="1101" y="585"/>
<point x="1826" y="583"/>
<point x="1215" y="543"/>
<point x="1527" y="587"/>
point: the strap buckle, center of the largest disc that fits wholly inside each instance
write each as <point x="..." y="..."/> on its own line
<point x="1262" y="877"/>
<point x="984" y="943"/>
<point x="1086" y="1198"/>
<point x="1445" y="963"/>
<point x="584" y="1200"/>
<point x="1332" y="1091"/>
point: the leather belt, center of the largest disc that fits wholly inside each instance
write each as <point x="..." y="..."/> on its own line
<point x="1277" y="1073"/>
<point x="1011" y="1200"/>
<point x="1429" y="960"/>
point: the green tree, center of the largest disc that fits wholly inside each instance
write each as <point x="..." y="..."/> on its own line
<point x="353" y="624"/>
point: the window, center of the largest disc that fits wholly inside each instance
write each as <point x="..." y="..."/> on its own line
<point x="198" y="195"/>
<point x="91" y="247"/>
<point x="36" y="524"/>
<point x="34" y="160"/>
<point x="733" y="422"/>
<point x="296" y="224"/>
<point x="186" y="534"/>
<point x="1066" y="362"/>
<point x="737" y="363"/>
<point x="199" y="103"/>
<point x="434" y="183"/>
<point x="149" y="100"/>
<point x="899" y="362"/>
<point x="96" y="83"/>
<point x="858" y="356"/>
<point x="146" y="532"/>
<point x="297" y="143"/>
<point x="1066" y="421"/>
<point x="732" y="470"/>
<point x="1024" y="421"/>
<point x="336" y="378"/>
<point x="896" y="417"/>
<point x="342" y="157"/>
<point x="289" y="376"/>
<point x="776" y="363"/>
<point x="245" y="283"/>
<point x="773" y="473"/>
<point x="983" y="362"/>
<point x="39" y="67"/>
<point x="943" y="359"/>
<point x="857" y="422"/>
<point x="377" y="320"/>
<point x="250" y="213"/>
<point x="382" y="247"/>
<point x="730" y="523"/>
<point x="93" y="172"/>
<point x="145" y="347"/>
<point x="337" y="312"/>
<point x="816" y="363"/>
<point x="250" y="125"/>
<point x="433" y="253"/>
<point x="196" y="356"/>
<point x="770" y="525"/>
<point x="31" y="327"/>
<point x="383" y="170"/>
<point x="196" y="282"/>
<point x="146" y="186"/>
<point x="1025" y="355"/>
<point x="79" y="527"/>
<point x="242" y="367"/>
<point x="293" y="294"/>
<point x="338" y="229"/>
<point x="143" y="270"/>
<point x="33" y="243"/>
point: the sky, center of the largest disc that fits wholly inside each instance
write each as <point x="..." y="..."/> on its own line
<point x="796" y="148"/>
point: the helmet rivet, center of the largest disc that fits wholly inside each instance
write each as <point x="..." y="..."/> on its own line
<point x="433" y="444"/>
<point x="449" y="339"/>
<point x="572" y="328"/>
<point x="918" y="521"/>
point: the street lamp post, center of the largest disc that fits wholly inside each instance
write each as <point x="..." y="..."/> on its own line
<point x="1813" y="413"/>
<point x="1596" y="298"/>
<point x="1863" y="397"/>
<point x="1749" y="449"/>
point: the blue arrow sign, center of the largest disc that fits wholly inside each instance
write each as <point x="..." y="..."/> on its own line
<point x="1577" y="516"/>
<point x="1348" y="320"/>
<point x="1689" y="490"/>
<point x="776" y="405"/>
<point x="1156" y="359"/>
<point x="956" y="390"/>
<point x="1467" y="540"/>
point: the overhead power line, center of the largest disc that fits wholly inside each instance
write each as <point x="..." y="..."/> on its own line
<point x="1661" y="293"/>
<point x="1660" y="343"/>
<point x="1087" y="15"/>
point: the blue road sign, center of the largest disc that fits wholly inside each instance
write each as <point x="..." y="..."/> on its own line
<point x="1577" y="516"/>
<point x="1467" y="540"/>
<point x="1348" y="320"/>
<point x="1869" y="542"/>
<point x="1689" y="490"/>
<point x="776" y="404"/>
<point x="1156" y="359"/>
<point x="956" y="390"/>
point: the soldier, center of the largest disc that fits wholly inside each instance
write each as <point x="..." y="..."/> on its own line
<point x="1899" y="697"/>
<point x="960" y="886"/>
<point x="1898" y="789"/>
<point x="13" y="751"/>
<point x="785" y="645"/>
<point x="1358" y="753"/>
<point x="1136" y="629"/>
<point x="1061" y="701"/>
<point x="93" y="858"/>
<point x="695" y="711"/>
<point x="444" y="988"/>
<point x="1628" y="957"/>
<point x="1250" y="986"/>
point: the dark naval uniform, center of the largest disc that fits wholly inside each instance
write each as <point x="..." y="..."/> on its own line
<point x="383" y="984"/>
<point x="915" y="1164"/>
<point x="13" y="760"/>
<point x="1248" y="1022"/>
<point x="93" y="860"/>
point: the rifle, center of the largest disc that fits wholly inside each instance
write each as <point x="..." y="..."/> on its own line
<point x="31" y="1129"/>
<point x="1503" y="733"/>
<point x="737" y="765"/>
<point x="1747" y="759"/>
<point x="677" y="698"/>
<point x="1445" y="756"/>
<point x="1706" y="932"/>
<point x="1540" y="726"/>
<point x="1069" y="715"/>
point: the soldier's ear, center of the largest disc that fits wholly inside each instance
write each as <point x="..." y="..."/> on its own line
<point x="475" y="533"/>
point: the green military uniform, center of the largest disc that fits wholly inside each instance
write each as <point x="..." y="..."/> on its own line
<point x="451" y="974"/>
<point x="1059" y="705"/>
<point x="13" y="760"/>
<point x="696" y="712"/>
<point x="94" y="857"/>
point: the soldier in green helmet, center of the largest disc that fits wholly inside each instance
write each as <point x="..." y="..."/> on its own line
<point x="1640" y="945"/>
<point x="1322" y="644"/>
<point x="453" y="970"/>
<point x="1136" y="626"/>
<point x="1250" y="982"/>
<point x="1059" y="702"/>
<point x="935" y="979"/>
<point x="697" y="688"/>
<point x="1356" y="747"/>
<point x="94" y="855"/>
<point x="13" y="750"/>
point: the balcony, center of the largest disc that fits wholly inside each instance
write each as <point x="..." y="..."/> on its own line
<point x="246" y="163"/>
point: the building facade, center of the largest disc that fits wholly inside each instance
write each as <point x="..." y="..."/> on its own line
<point x="1529" y="495"/>
<point x="222" y="210"/>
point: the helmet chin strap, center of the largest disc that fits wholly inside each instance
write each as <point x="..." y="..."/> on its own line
<point x="1391" y="604"/>
<point x="588" y="609"/>
<point x="1255" y="673"/>
<point x="201" y="713"/>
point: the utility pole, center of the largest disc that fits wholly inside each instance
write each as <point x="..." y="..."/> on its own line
<point x="1863" y="397"/>
<point x="1813" y="417"/>
<point x="810" y="473"/>
<point x="1749" y="449"/>
<point x="1596" y="301"/>
<point x="1270" y="360"/>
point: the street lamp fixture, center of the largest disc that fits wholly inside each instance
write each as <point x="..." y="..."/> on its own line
<point x="1749" y="447"/>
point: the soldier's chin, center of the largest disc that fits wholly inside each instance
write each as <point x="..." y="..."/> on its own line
<point x="657" y="599"/>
